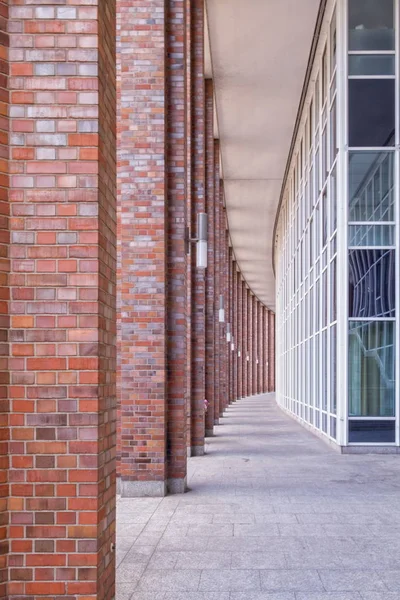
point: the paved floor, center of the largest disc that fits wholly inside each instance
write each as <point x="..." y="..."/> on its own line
<point x="272" y="514"/>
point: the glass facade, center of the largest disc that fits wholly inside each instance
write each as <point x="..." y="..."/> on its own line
<point x="336" y="244"/>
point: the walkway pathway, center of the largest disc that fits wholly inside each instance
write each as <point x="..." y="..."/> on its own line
<point x="273" y="514"/>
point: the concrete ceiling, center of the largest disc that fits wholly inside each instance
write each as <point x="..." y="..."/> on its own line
<point x="257" y="55"/>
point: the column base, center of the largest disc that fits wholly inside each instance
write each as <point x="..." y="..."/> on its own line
<point x="141" y="489"/>
<point x="177" y="485"/>
<point x="197" y="451"/>
<point x="209" y="433"/>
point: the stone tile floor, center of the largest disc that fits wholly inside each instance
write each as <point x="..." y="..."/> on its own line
<point x="272" y="514"/>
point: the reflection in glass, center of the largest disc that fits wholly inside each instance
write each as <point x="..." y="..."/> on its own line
<point x="368" y="432"/>
<point x="371" y="235"/>
<point x="333" y="371"/>
<point x="371" y="112"/>
<point x="333" y="290"/>
<point x="371" y="368"/>
<point x="333" y="427"/>
<point x="371" y="25"/>
<point x="367" y="64"/>
<point x="372" y="283"/>
<point x="371" y="182"/>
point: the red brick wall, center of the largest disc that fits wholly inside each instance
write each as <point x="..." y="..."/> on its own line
<point x="4" y="296"/>
<point x="62" y="393"/>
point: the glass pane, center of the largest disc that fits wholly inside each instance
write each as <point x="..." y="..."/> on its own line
<point x="333" y="290"/>
<point x="333" y="43"/>
<point x="332" y="200"/>
<point x="372" y="283"/>
<point x="333" y="370"/>
<point x="371" y="112"/>
<point x="371" y="25"/>
<point x="333" y="428"/>
<point x="371" y="235"/>
<point x="361" y="64"/>
<point x="378" y="432"/>
<point x="371" y="369"/>
<point x="333" y="126"/>
<point x="371" y="182"/>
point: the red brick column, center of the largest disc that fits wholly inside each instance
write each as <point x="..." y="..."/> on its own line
<point x="188" y="71"/>
<point x="198" y="205"/>
<point x="230" y="320"/>
<point x="224" y="366"/>
<point x="250" y="343"/>
<point x="176" y="394"/>
<point x="217" y="285"/>
<point x="152" y="221"/>
<point x="234" y="329"/>
<point x="239" y="344"/>
<point x="262" y="356"/>
<point x="245" y="340"/>
<point x="260" y="348"/>
<point x="266" y="325"/>
<point x="4" y="298"/>
<point x="210" y="276"/>
<point x="63" y="234"/>
<point x="272" y="334"/>
<point x="255" y="344"/>
<point x="270" y="353"/>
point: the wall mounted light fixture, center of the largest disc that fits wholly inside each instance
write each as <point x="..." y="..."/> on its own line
<point x="239" y="355"/>
<point x="232" y="344"/>
<point x="200" y="241"/>
<point x="228" y="332"/>
<point x="221" y="312"/>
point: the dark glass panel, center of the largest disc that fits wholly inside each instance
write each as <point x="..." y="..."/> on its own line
<point x="372" y="291"/>
<point x="371" y="235"/>
<point x="371" y="112"/>
<point x="371" y="369"/>
<point x="365" y="64"/>
<point x="333" y="370"/>
<point x="372" y="432"/>
<point x="333" y="428"/>
<point x="371" y="183"/>
<point x="371" y="25"/>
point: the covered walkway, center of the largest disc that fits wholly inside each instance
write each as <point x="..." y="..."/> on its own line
<point x="272" y="514"/>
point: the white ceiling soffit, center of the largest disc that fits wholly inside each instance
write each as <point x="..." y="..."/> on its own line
<point x="258" y="58"/>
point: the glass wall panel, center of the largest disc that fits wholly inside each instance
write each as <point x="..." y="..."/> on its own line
<point x="372" y="290"/>
<point x="336" y="268"/>
<point x="371" y="112"/>
<point x="375" y="432"/>
<point x="371" y="25"/>
<point x="371" y="186"/>
<point x="371" y="368"/>
<point x="371" y="235"/>
<point x="371" y="64"/>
